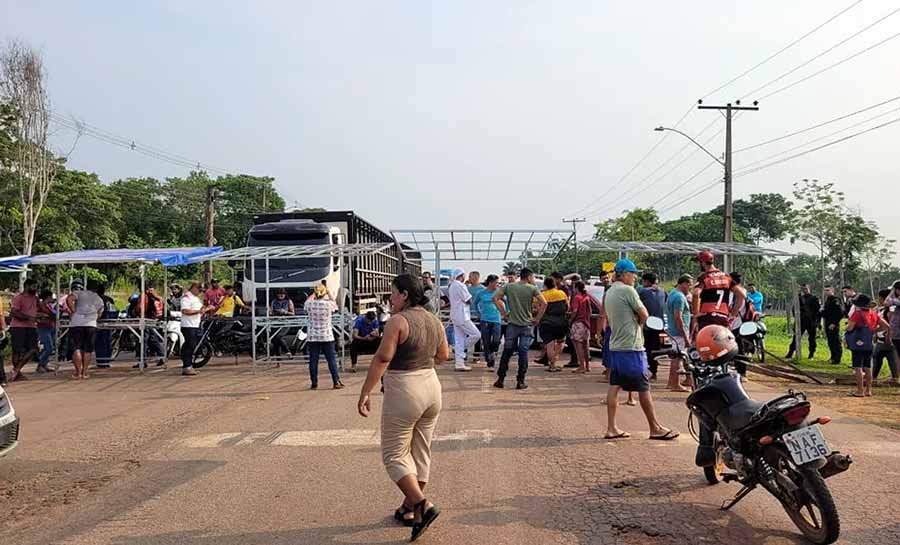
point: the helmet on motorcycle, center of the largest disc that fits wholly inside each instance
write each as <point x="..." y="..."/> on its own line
<point x="705" y="257"/>
<point x="716" y="345"/>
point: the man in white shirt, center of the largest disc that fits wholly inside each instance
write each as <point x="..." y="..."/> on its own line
<point x="85" y="308"/>
<point x="465" y="334"/>
<point x="192" y="309"/>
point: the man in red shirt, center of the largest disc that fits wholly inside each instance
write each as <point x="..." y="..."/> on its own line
<point x="25" y="312"/>
<point x="213" y="295"/>
<point x="711" y="296"/>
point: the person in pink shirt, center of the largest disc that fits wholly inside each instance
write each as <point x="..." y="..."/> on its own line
<point x="25" y="310"/>
<point x="213" y="295"/>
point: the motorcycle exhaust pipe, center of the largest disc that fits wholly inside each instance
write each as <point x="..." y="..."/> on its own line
<point x="835" y="463"/>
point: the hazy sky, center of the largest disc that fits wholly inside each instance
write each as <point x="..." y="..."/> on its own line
<point x="470" y="114"/>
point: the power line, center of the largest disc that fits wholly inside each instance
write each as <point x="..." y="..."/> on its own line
<point x="630" y="192"/>
<point x="719" y="88"/>
<point x="819" y="125"/>
<point x="691" y="196"/>
<point x="780" y="161"/>
<point x="819" y="139"/>
<point x="110" y="138"/>
<point x="829" y="67"/>
<point x="682" y="184"/>
<point x="817" y="148"/>
<point x="820" y="54"/>
<point x="634" y="167"/>
<point x="783" y="49"/>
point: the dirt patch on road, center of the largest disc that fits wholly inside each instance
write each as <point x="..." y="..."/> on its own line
<point x="882" y="409"/>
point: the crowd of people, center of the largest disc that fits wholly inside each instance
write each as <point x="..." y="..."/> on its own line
<point x="871" y="333"/>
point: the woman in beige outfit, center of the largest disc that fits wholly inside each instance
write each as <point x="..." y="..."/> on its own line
<point x="413" y="341"/>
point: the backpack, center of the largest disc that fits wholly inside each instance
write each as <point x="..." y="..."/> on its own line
<point x="861" y="338"/>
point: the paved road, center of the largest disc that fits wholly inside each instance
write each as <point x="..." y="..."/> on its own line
<point x="236" y="458"/>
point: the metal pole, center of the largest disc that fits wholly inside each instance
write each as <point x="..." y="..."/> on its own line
<point x="141" y="364"/>
<point x="268" y="321"/>
<point x="165" y="319"/>
<point x="58" y="303"/>
<point x="436" y="295"/>
<point x="253" y="315"/>
<point x="349" y="299"/>
<point x="729" y="204"/>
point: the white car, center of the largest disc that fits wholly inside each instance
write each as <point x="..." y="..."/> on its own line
<point x="9" y="425"/>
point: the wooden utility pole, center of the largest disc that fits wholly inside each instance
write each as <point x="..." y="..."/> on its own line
<point x="573" y="221"/>
<point x="728" y="235"/>
<point x="210" y="227"/>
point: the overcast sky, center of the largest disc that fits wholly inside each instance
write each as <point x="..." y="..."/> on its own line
<point x="463" y="114"/>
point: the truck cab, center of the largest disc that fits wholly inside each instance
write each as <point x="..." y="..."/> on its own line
<point x="298" y="276"/>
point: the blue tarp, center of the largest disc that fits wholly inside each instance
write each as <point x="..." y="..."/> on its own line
<point x="164" y="256"/>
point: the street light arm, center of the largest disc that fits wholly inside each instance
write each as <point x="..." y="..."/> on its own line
<point x="716" y="159"/>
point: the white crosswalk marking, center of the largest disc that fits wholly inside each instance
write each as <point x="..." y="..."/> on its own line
<point x="317" y="438"/>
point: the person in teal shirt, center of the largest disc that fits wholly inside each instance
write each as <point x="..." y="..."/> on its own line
<point x="755" y="297"/>
<point x="678" y="326"/>
<point x="483" y="304"/>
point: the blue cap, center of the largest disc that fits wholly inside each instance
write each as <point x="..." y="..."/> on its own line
<point x="624" y="266"/>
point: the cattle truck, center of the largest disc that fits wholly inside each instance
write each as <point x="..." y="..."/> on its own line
<point x="371" y="273"/>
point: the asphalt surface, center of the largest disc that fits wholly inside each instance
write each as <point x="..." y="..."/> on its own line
<point x="237" y="457"/>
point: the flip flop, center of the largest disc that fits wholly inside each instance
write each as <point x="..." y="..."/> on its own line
<point x="623" y="435"/>
<point x="668" y="436"/>
<point x="854" y="394"/>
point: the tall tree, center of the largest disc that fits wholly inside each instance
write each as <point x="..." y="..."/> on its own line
<point x="146" y="212"/>
<point x="23" y="89"/>
<point x="766" y="217"/>
<point x="81" y="213"/>
<point x="637" y="224"/>
<point x="819" y="218"/>
<point x="238" y="198"/>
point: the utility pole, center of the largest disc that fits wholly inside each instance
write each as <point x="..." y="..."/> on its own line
<point x="210" y="226"/>
<point x="729" y="195"/>
<point x="573" y="221"/>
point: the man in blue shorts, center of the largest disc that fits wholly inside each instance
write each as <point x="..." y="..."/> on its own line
<point x="628" y="369"/>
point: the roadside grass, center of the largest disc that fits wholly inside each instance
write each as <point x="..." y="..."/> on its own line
<point x="778" y="340"/>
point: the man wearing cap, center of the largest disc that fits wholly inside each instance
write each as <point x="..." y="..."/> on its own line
<point x="711" y="298"/>
<point x="465" y="334"/>
<point x="628" y="369"/>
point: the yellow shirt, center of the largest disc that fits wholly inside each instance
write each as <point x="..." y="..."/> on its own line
<point x="226" y="307"/>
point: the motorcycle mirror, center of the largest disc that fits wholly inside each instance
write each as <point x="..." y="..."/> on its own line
<point x="655" y="323"/>
<point x="748" y="328"/>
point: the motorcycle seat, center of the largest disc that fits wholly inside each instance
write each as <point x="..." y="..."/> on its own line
<point x="739" y="415"/>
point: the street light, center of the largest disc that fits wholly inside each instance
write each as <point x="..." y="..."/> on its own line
<point x="728" y="216"/>
<point x="716" y="159"/>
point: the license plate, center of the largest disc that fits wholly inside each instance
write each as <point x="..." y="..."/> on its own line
<point x="806" y="444"/>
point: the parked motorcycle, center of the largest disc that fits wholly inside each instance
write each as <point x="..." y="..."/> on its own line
<point x="773" y="444"/>
<point x="175" y="339"/>
<point x="753" y="339"/>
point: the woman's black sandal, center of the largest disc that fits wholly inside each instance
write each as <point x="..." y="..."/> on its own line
<point x="400" y="515"/>
<point x="424" y="518"/>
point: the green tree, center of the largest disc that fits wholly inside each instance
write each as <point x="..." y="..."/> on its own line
<point x="765" y="217"/>
<point x="639" y="224"/>
<point x="146" y="213"/>
<point x="81" y="213"/>
<point x="238" y="198"/>
<point x="819" y="218"/>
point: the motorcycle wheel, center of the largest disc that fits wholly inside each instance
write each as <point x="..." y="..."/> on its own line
<point x="817" y="518"/>
<point x="202" y="355"/>
<point x="761" y="350"/>
<point x="714" y="472"/>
